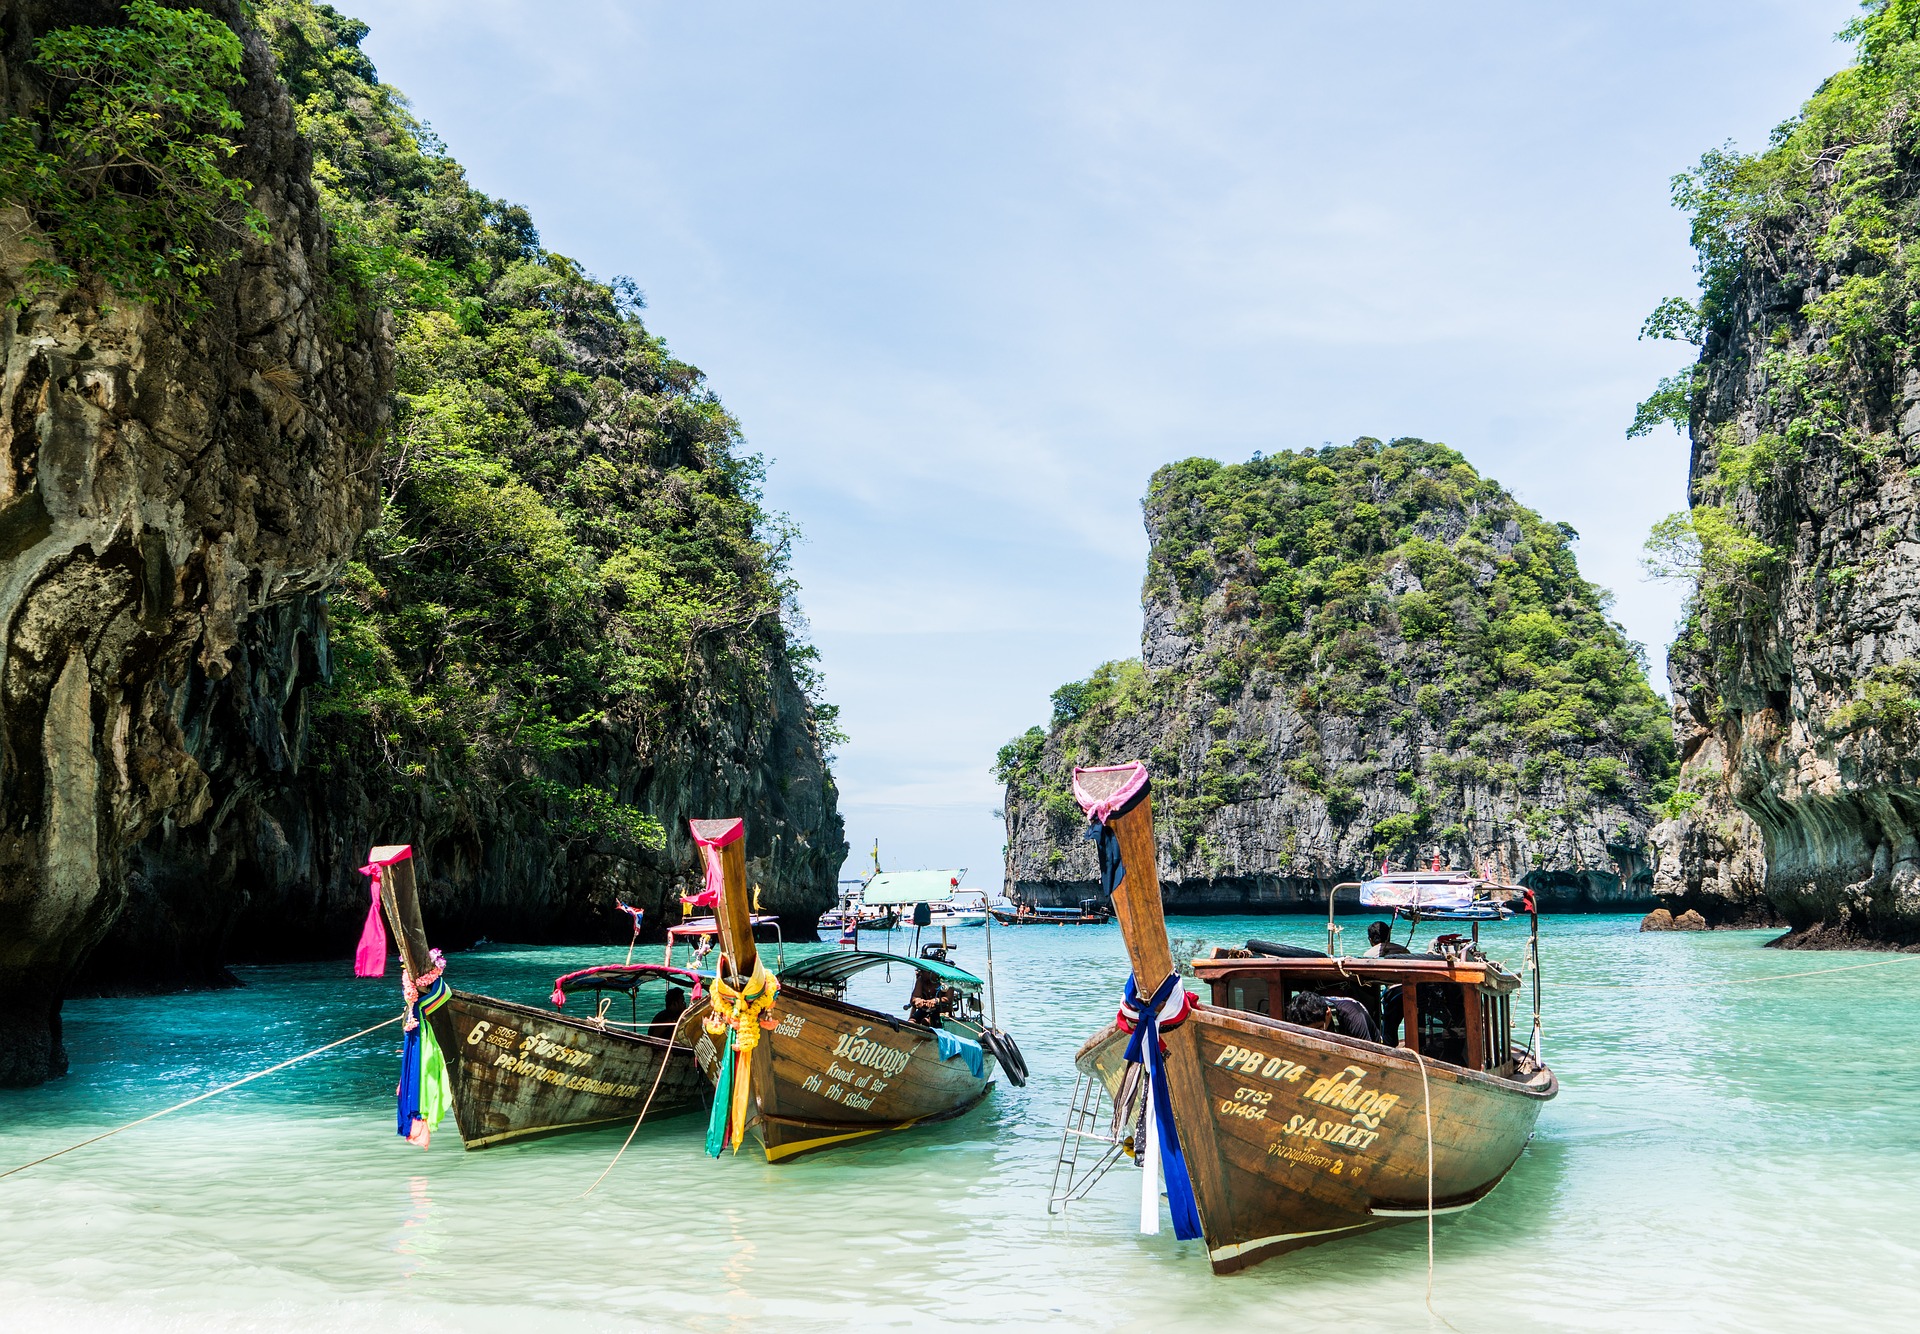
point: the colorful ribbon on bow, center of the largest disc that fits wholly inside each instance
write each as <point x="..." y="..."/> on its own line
<point x="743" y="1012"/>
<point x="424" y="1094"/>
<point x="1167" y="1009"/>
<point x="370" y="959"/>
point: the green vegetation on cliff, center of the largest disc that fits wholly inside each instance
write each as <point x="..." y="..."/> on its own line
<point x="1390" y="588"/>
<point x="573" y="544"/>
<point x="1810" y="290"/>
<point x="123" y="166"/>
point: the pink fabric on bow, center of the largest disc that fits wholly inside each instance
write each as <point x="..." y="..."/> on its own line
<point x="1099" y="809"/>
<point x="710" y="854"/>
<point x="370" y="959"/>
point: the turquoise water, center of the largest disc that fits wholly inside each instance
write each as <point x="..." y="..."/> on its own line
<point x="1720" y="1157"/>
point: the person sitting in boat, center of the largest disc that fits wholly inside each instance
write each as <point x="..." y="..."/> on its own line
<point x="1380" y="941"/>
<point x="668" y="1019"/>
<point x="931" y="1002"/>
<point x="1335" y="1014"/>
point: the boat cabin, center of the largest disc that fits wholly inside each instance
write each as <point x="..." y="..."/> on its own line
<point x="1456" y="1009"/>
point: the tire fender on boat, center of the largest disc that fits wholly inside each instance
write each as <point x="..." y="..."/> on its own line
<point x="1006" y="1051"/>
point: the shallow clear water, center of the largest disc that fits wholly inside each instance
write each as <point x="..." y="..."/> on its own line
<point x="1720" y="1157"/>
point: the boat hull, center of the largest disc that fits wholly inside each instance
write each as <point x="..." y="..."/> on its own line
<point x="828" y="1073"/>
<point x="1293" y="1137"/>
<point x="1041" y="919"/>
<point x="518" y="1072"/>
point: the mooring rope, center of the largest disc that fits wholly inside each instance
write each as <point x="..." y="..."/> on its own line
<point x="1426" y="1097"/>
<point x="211" y="1093"/>
<point x="665" y="1057"/>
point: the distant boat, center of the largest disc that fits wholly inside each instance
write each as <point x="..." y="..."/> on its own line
<point x="1091" y="912"/>
<point x="794" y="1061"/>
<point x="1276" y="1135"/>
<point x="1438" y="895"/>
<point x="973" y="911"/>
<point x="517" y="1071"/>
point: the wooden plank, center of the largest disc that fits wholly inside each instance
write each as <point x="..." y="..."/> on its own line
<point x="400" y="895"/>
<point x="733" y="912"/>
<point x="1410" y="1017"/>
<point x="1136" y="902"/>
<point x="1475" y="1011"/>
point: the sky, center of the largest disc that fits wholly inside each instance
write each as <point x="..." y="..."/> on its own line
<point x="968" y="273"/>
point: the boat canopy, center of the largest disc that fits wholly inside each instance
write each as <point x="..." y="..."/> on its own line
<point x="707" y="926"/>
<point x="833" y="969"/>
<point x="627" y="977"/>
<point x="1420" y="889"/>
<point x="891" y="887"/>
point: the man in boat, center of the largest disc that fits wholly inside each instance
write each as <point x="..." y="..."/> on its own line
<point x="1380" y="941"/>
<point x="931" y="1002"/>
<point x="663" y="1023"/>
<point x="1335" y="1014"/>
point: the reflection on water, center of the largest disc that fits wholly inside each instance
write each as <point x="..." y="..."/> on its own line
<point x="1722" y="1157"/>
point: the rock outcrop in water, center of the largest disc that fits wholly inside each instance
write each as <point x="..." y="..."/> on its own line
<point x="1796" y="685"/>
<point x="535" y="632"/>
<point x="1348" y="654"/>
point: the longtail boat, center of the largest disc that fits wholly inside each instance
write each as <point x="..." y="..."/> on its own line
<point x="793" y="1060"/>
<point x="1276" y="1135"/>
<point x="1091" y="912"/>
<point x="509" y="1071"/>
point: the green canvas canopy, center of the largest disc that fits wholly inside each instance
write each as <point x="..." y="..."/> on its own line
<point x="833" y="969"/>
<point x="891" y="887"/>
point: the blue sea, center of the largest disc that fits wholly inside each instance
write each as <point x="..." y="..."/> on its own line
<point x="1726" y="1152"/>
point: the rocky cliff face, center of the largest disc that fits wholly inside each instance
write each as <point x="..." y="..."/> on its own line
<point x="567" y="634"/>
<point x="1353" y="654"/>
<point x="1795" y="675"/>
<point x="531" y="636"/>
<point x="166" y="485"/>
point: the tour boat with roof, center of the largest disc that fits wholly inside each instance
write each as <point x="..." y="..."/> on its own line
<point x="795" y="1062"/>
<point x="509" y="1071"/>
<point x="1275" y="1134"/>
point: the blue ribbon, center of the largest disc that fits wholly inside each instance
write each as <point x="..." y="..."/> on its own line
<point x="408" y="1094"/>
<point x="1144" y="1048"/>
<point x="1113" y="868"/>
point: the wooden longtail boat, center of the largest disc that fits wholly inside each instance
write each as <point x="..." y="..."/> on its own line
<point x="1291" y="1135"/>
<point x="1089" y="913"/>
<point x="809" y="1069"/>
<point x="517" y="1071"/>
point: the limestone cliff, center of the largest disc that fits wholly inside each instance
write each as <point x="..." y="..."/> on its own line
<point x="1795" y="676"/>
<point x="568" y="632"/>
<point x="1348" y="654"/>
<point x="167" y="483"/>
<point x="413" y="532"/>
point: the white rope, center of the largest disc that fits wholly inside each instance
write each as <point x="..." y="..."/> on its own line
<point x="665" y="1057"/>
<point x="1426" y="1096"/>
<point x="212" y="1093"/>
